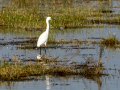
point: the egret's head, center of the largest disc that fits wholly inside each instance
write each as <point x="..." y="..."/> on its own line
<point x="48" y="18"/>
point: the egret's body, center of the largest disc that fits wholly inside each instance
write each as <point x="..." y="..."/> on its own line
<point x="44" y="36"/>
<point x="42" y="39"/>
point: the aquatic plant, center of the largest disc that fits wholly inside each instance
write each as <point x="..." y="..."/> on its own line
<point x="15" y="69"/>
<point x="111" y="40"/>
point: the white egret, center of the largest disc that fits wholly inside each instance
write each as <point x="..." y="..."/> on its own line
<point x="44" y="36"/>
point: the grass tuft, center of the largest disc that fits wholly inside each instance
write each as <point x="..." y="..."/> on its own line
<point x="111" y="40"/>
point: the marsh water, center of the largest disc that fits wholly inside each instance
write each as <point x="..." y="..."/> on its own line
<point x="68" y="53"/>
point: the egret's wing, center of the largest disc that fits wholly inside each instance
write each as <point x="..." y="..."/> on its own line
<point x="42" y="39"/>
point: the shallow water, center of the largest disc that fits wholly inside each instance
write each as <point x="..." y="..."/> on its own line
<point x="69" y="55"/>
<point x="64" y="83"/>
<point x="67" y="51"/>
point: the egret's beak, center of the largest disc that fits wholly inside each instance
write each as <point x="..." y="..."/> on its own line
<point x="52" y="19"/>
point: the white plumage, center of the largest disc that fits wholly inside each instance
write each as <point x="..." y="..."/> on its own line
<point x="44" y="36"/>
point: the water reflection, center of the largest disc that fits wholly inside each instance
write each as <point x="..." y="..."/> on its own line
<point x="39" y="57"/>
<point x="101" y="51"/>
<point x="96" y="80"/>
<point x="48" y="83"/>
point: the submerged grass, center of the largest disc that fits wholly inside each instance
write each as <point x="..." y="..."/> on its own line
<point x="31" y="44"/>
<point x="17" y="70"/>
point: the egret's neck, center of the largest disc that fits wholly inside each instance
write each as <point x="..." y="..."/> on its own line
<point x="47" y="29"/>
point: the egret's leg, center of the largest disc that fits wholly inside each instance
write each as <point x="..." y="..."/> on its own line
<point x="40" y="50"/>
<point x="45" y="48"/>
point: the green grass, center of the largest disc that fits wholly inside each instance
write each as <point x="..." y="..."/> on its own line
<point x="19" y="18"/>
<point x="28" y="18"/>
<point x="32" y="17"/>
<point x="27" y="15"/>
